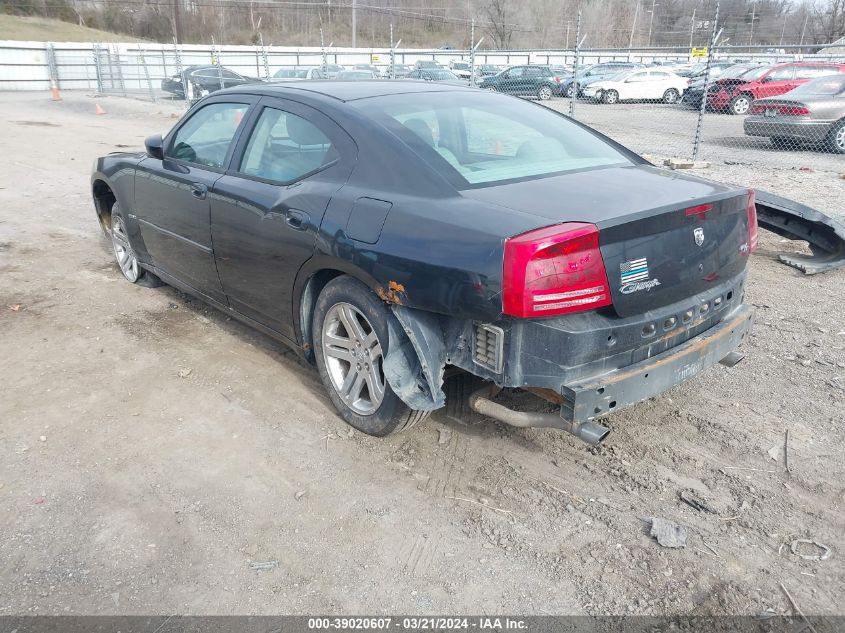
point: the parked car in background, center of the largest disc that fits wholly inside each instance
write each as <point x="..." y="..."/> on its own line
<point x="644" y="84"/>
<point x="203" y="80"/>
<point x="460" y="68"/>
<point x="331" y="70"/>
<point x="436" y="74"/>
<point x="298" y="74"/>
<point x="526" y="81"/>
<point x="812" y="113"/>
<point x="488" y="70"/>
<point x="400" y="71"/>
<point x="504" y="240"/>
<point x="427" y="63"/>
<point x="369" y="67"/>
<point x="694" y="93"/>
<point x="596" y="72"/>
<point x="736" y="95"/>
<point x="356" y="75"/>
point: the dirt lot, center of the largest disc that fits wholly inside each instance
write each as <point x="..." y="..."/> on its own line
<point x="152" y="450"/>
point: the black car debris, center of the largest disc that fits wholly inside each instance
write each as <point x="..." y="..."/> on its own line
<point x="391" y="231"/>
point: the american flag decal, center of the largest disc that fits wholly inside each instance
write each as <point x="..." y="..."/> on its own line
<point x="634" y="270"/>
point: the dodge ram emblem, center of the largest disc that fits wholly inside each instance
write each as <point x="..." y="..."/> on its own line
<point x="699" y="236"/>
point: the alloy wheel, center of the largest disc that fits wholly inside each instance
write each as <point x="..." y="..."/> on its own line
<point x="353" y="357"/>
<point x="123" y="251"/>
<point x="670" y="96"/>
<point x="741" y="105"/>
<point x="545" y="93"/>
<point x="839" y="139"/>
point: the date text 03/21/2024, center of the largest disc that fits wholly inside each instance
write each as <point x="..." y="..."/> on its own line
<point x="417" y="623"/>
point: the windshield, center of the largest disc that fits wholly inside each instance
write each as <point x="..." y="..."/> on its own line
<point x="441" y="75"/>
<point x="300" y="74"/>
<point x="830" y="85"/>
<point x="477" y="138"/>
<point x="460" y="65"/>
<point x="752" y="74"/>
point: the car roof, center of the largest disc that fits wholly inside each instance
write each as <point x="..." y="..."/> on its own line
<point x="348" y="90"/>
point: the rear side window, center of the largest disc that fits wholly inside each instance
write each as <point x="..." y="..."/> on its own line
<point x="285" y="147"/>
<point x="205" y="138"/>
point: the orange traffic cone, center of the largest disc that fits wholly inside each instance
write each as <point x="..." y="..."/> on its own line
<point x="54" y="91"/>
<point x="99" y="109"/>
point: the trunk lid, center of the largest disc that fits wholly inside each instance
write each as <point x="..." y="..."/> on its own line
<point x="646" y="237"/>
<point x="675" y="253"/>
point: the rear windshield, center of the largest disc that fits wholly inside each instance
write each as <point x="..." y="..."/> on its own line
<point x="478" y="138"/>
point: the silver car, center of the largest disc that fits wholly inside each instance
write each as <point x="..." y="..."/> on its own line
<point x="298" y="74"/>
<point x="814" y="112"/>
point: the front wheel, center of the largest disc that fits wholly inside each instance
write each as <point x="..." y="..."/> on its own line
<point x="570" y="91"/>
<point x="671" y="96"/>
<point x="544" y="93"/>
<point x="610" y="96"/>
<point x="836" y="138"/>
<point x="740" y="104"/>
<point x="350" y="342"/>
<point x="127" y="261"/>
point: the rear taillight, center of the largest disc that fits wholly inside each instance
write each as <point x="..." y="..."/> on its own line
<point x="780" y="109"/>
<point x="554" y="270"/>
<point x="557" y="79"/>
<point x="752" y="223"/>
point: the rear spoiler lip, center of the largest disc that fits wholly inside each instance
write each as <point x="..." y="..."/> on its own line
<point x="796" y="221"/>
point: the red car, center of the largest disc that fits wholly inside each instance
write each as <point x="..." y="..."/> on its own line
<point x="735" y="94"/>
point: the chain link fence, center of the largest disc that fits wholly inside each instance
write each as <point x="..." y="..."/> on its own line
<point x="756" y="115"/>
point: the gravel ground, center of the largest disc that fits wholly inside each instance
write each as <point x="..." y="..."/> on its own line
<point x="152" y="451"/>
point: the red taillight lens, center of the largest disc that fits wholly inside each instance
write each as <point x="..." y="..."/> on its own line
<point x="752" y="223"/>
<point x="554" y="270"/>
<point x="780" y="109"/>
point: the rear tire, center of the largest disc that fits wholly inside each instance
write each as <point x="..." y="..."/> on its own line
<point x="740" y="104"/>
<point x="836" y="138"/>
<point x="610" y="97"/>
<point x="671" y="96"/>
<point x="350" y="327"/>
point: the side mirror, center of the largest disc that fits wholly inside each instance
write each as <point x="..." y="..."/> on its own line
<point x="154" y="146"/>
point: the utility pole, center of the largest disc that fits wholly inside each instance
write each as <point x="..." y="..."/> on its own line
<point x="691" y="28"/>
<point x="354" y="24"/>
<point x="177" y="21"/>
<point x="633" y="26"/>
<point x="651" y="21"/>
<point x="753" y="17"/>
<point x="804" y="28"/>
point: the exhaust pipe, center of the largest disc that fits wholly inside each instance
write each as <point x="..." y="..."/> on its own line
<point x="480" y="402"/>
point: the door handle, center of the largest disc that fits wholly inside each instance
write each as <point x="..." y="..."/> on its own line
<point x="297" y="220"/>
<point x="198" y="190"/>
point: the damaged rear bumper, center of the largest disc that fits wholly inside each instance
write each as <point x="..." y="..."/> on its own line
<point x="589" y="399"/>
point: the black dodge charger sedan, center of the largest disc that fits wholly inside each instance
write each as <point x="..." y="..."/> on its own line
<point x="394" y="233"/>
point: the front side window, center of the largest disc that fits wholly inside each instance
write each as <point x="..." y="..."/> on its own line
<point x="476" y="138"/>
<point x="781" y="74"/>
<point x="205" y="138"/>
<point x="285" y="147"/>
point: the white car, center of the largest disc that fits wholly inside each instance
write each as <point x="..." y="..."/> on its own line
<point x="641" y="84"/>
<point x="461" y="69"/>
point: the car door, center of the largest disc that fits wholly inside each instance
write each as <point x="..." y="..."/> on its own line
<point x="514" y="81"/>
<point x="266" y="209"/>
<point x="659" y="81"/>
<point x="171" y="195"/>
<point x="636" y="86"/>
<point x="777" y="82"/>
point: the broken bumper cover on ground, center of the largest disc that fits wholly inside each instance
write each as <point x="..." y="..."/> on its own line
<point x="588" y="399"/>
